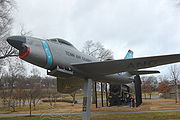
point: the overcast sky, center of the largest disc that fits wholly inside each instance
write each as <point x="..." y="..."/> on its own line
<point x="148" y="27"/>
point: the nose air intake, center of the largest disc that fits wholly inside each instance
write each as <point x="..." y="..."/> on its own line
<point x="17" y="41"/>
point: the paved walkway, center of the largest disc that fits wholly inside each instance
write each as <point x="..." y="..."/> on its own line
<point x="59" y="114"/>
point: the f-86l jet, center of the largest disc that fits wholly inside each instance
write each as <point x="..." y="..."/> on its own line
<point x="74" y="69"/>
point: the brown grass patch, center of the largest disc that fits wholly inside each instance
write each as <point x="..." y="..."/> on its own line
<point x="62" y="107"/>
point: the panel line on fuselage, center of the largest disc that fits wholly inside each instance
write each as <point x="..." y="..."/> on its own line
<point x="48" y="54"/>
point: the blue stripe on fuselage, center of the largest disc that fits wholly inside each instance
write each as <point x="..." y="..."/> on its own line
<point x="48" y="54"/>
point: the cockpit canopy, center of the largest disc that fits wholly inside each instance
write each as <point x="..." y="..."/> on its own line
<point x="61" y="41"/>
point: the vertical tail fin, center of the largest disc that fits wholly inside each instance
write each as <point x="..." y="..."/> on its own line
<point x="129" y="54"/>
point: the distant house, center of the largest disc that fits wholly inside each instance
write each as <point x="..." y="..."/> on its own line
<point x="172" y="92"/>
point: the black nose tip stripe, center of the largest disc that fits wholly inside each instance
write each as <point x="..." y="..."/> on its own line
<point x="16" y="41"/>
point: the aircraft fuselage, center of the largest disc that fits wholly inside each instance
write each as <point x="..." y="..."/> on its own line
<point x="51" y="53"/>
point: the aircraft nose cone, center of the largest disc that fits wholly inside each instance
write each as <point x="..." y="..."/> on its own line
<point x="17" y="41"/>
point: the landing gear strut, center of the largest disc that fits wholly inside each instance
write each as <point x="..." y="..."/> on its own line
<point x="138" y="93"/>
<point x="86" y="112"/>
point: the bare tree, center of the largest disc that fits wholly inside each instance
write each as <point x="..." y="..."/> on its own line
<point x="50" y="92"/>
<point x="175" y="74"/>
<point x="96" y="49"/>
<point x="24" y="32"/>
<point x="15" y="68"/>
<point x="6" y="8"/>
<point x="149" y="85"/>
<point x="36" y="85"/>
<point x="33" y="92"/>
<point x="4" y="86"/>
<point x="20" y="87"/>
<point x="11" y="91"/>
<point x="35" y="71"/>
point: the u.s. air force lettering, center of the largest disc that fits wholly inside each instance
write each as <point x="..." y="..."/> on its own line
<point x="77" y="56"/>
<point x="141" y="64"/>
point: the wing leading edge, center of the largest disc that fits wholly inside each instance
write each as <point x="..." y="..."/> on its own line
<point x="125" y="65"/>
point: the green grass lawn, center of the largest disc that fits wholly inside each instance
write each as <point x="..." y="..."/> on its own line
<point x="139" y="116"/>
<point x="74" y="117"/>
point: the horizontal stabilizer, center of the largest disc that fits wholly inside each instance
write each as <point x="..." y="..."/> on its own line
<point x="144" y="72"/>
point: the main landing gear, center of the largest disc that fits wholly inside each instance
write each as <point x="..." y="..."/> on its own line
<point x="86" y="112"/>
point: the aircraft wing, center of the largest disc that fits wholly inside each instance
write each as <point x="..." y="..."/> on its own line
<point x="125" y="65"/>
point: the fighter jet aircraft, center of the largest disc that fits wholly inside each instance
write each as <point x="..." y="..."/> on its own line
<point x="63" y="60"/>
<point x="71" y="67"/>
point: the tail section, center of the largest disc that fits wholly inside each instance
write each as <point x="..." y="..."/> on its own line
<point x="129" y="54"/>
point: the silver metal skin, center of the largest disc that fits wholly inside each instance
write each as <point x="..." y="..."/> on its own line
<point x="63" y="56"/>
<point x="37" y="55"/>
